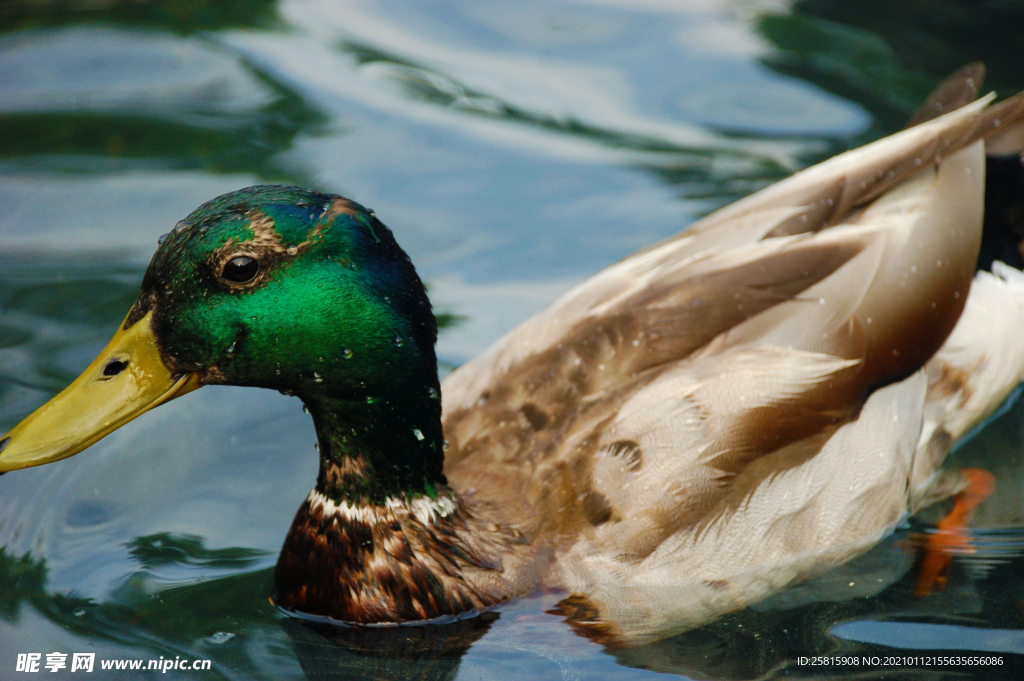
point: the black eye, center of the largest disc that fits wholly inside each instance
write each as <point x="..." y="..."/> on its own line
<point x="241" y="269"/>
<point x="114" y="367"/>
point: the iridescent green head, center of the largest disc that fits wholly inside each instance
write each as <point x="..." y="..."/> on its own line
<point x="306" y="293"/>
<point x="284" y="288"/>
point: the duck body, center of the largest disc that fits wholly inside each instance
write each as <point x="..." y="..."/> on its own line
<point x="739" y="407"/>
<point x="763" y="396"/>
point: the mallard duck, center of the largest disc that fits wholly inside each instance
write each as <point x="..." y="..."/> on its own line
<point x="760" y="397"/>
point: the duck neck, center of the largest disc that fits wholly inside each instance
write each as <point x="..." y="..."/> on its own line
<point x="381" y="447"/>
<point x="382" y="538"/>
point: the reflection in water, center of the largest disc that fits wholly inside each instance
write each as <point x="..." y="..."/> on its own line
<point x="229" y="620"/>
<point x="23" y="579"/>
<point x="209" y="111"/>
<point x="176" y="619"/>
<point x="888" y="56"/>
<point x="182" y="17"/>
<point x="423" y="653"/>
<point x="421" y="83"/>
<point x="505" y="145"/>
<point x="765" y="641"/>
<point x="717" y="169"/>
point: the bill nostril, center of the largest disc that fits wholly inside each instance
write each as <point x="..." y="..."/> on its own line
<point x="114" y="367"/>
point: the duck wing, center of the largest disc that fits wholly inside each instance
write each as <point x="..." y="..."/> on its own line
<point x="807" y="202"/>
<point x="744" y="403"/>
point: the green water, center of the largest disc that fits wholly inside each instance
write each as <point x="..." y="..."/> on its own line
<point x="514" y="148"/>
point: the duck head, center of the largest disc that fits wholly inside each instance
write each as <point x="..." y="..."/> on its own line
<point x="282" y="288"/>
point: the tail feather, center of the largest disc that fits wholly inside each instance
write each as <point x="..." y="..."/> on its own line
<point x="959" y="89"/>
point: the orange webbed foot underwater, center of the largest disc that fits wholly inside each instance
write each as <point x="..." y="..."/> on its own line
<point x="951" y="536"/>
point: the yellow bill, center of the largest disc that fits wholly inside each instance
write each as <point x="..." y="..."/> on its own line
<point x="127" y="379"/>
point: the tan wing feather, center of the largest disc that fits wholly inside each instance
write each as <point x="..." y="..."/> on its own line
<point x="905" y="294"/>
<point x="804" y="519"/>
<point x="697" y="426"/>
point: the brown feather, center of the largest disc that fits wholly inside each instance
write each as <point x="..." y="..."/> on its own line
<point x="388" y="564"/>
<point x="959" y="89"/>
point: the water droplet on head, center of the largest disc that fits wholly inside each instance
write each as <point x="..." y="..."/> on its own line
<point x="231" y="348"/>
<point x="316" y="446"/>
<point x="399" y="341"/>
<point x="305" y="409"/>
<point x="369" y="400"/>
<point x="418" y="433"/>
<point x="346" y="353"/>
<point x="79" y="612"/>
<point x="163" y="238"/>
<point x="445" y="445"/>
<point x="432" y="392"/>
<point x="387" y="299"/>
<point x="317" y="378"/>
<point x="292" y="250"/>
<point x="181" y="224"/>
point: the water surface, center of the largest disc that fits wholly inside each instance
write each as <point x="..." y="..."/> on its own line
<point x="514" y="148"/>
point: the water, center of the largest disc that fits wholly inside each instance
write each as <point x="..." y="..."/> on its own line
<point x="514" y="148"/>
